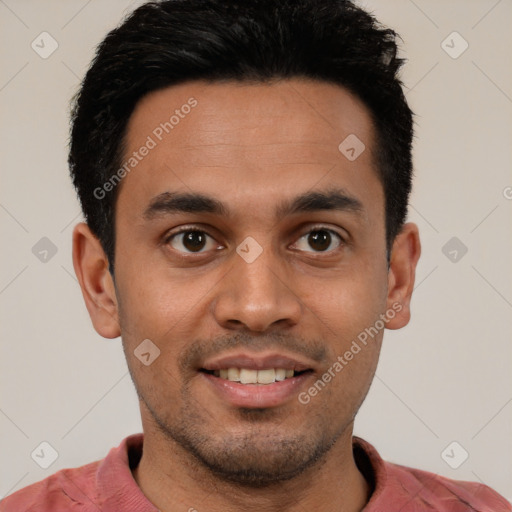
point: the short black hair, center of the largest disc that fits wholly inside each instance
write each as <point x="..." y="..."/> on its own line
<point x="169" y="42"/>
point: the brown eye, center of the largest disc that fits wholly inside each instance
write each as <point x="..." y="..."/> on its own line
<point x="319" y="240"/>
<point x="192" y="241"/>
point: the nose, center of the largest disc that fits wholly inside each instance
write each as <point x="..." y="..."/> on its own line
<point x="257" y="296"/>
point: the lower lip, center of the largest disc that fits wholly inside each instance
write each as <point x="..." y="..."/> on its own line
<point x="257" y="395"/>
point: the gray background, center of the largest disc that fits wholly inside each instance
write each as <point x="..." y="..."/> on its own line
<point x="444" y="378"/>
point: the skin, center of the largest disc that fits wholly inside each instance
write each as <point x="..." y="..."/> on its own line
<point x="252" y="147"/>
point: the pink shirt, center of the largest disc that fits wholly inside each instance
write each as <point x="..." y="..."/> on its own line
<point x="108" y="486"/>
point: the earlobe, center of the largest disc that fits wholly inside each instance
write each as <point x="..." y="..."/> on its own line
<point x="405" y="254"/>
<point x="91" y="268"/>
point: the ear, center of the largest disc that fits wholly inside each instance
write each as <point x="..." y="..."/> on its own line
<point x="405" y="254"/>
<point x="91" y="268"/>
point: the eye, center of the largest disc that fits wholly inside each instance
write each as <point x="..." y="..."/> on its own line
<point x="319" y="240"/>
<point x="191" y="241"/>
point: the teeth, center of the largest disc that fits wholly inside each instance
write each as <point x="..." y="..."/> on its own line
<point x="246" y="376"/>
<point x="280" y="374"/>
<point x="266" y="376"/>
<point x="233" y="375"/>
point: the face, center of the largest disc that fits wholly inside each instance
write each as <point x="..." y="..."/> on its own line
<point x="250" y="248"/>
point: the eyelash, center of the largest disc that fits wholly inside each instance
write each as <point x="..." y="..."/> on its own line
<point x="193" y="229"/>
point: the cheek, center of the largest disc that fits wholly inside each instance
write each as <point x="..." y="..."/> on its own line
<point x="348" y="301"/>
<point x="346" y="309"/>
<point x="167" y="309"/>
<point x="146" y="308"/>
<point x="153" y="300"/>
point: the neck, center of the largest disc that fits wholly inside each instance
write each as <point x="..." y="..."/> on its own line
<point x="171" y="478"/>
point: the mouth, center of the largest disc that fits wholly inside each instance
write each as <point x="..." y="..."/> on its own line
<point x="253" y="381"/>
<point x="264" y="376"/>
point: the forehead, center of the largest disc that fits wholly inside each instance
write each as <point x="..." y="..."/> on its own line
<point x="248" y="142"/>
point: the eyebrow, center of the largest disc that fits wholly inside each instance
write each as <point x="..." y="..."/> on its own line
<point x="179" y="202"/>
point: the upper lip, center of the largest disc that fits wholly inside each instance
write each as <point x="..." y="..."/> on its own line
<point x="257" y="362"/>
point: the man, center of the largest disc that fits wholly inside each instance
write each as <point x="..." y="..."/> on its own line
<point x="244" y="169"/>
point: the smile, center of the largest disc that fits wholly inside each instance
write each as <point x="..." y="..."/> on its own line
<point x="250" y="376"/>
